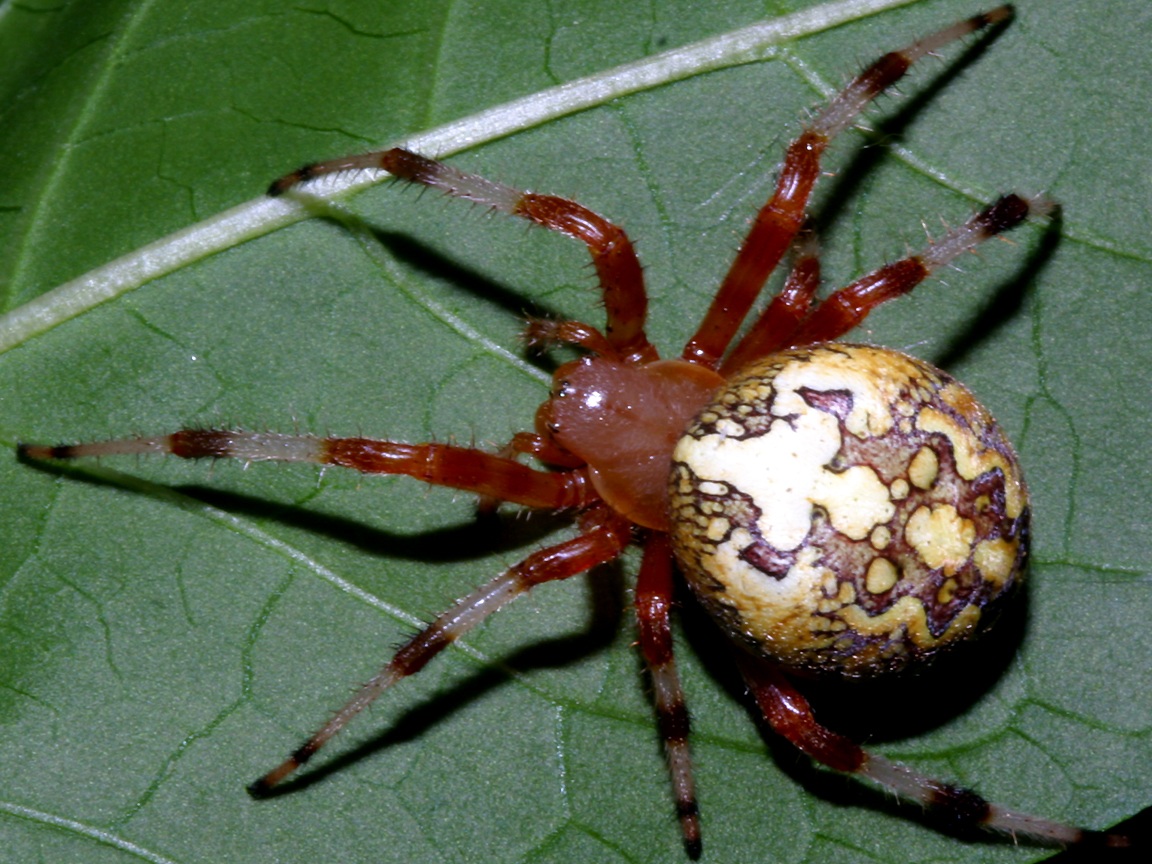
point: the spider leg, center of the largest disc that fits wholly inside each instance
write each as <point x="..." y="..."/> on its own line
<point x="530" y="444"/>
<point x="653" y="605"/>
<point x="618" y="268"/>
<point x="784" y="312"/>
<point x="542" y="333"/>
<point x="844" y="309"/>
<point x="463" y="468"/>
<point x="790" y="715"/>
<point x="541" y="447"/>
<point x="604" y="536"/>
<point x="781" y="218"/>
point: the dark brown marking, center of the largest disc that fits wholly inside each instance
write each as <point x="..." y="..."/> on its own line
<point x="200" y="443"/>
<point x="687" y="808"/>
<point x="413" y="167"/>
<point x="767" y="559"/>
<point x="304" y="753"/>
<point x="962" y="807"/>
<point x="688" y="812"/>
<point x="421" y="648"/>
<point x="43" y="451"/>
<point x="260" y="788"/>
<point x="674" y="723"/>
<point x="283" y="184"/>
<point x="1002" y="215"/>
<point x="263" y="787"/>
<point x="838" y="403"/>
<point x="883" y="73"/>
<point x="995" y="16"/>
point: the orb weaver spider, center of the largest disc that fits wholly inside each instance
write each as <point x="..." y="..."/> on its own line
<point x="840" y="510"/>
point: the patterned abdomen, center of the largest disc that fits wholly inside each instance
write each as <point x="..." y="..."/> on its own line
<point x="848" y="509"/>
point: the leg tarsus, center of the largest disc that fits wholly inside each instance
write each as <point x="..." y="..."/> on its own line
<point x="790" y="715"/>
<point x="844" y="309"/>
<point x="654" y="587"/>
<point x="604" y="536"/>
<point x="543" y="333"/>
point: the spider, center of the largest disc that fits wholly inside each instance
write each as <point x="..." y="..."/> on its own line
<point x="840" y="510"/>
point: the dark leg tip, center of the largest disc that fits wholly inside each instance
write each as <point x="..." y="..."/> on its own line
<point x="40" y="452"/>
<point x="1004" y="214"/>
<point x="283" y="184"/>
<point x="694" y="848"/>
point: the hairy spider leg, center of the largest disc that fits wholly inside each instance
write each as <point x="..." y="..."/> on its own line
<point x="613" y="256"/>
<point x="530" y="444"/>
<point x="544" y="449"/>
<point x="778" y="222"/>
<point x="844" y="309"/>
<point x="542" y="333"/>
<point x="784" y="311"/>
<point x="790" y="320"/>
<point x="604" y="536"/>
<point x="462" y="468"/>
<point x="654" y="600"/>
<point x="790" y="715"/>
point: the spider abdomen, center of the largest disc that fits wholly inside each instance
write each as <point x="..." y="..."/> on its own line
<point x="848" y="509"/>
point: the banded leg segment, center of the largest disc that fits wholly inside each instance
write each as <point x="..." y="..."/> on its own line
<point x="778" y="222"/>
<point x="654" y="587"/>
<point x="618" y="268"/>
<point x="604" y="537"/>
<point x="844" y="309"/>
<point x="790" y="715"/>
<point x="465" y="468"/>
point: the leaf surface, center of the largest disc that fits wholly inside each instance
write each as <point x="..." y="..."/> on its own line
<point x="173" y="630"/>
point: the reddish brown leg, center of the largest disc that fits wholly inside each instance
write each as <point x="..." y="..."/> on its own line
<point x="438" y="464"/>
<point x="542" y="333"/>
<point x="844" y="309"/>
<point x="653" y="607"/>
<point x="530" y="444"/>
<point x="617" y="267"/>
<point x="790" y="715"/>
<point x="544" y="449"/>
<point x="604" y="537"/>
<point x="784" y="313"/>
<point x="780" y="219"/>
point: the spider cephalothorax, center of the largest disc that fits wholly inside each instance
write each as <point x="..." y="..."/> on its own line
<point x="838" y="509"/>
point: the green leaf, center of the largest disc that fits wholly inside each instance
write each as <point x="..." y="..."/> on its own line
<point x="169" y="638"/>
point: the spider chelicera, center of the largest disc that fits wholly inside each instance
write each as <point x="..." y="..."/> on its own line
<point x="840" y="510"/>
